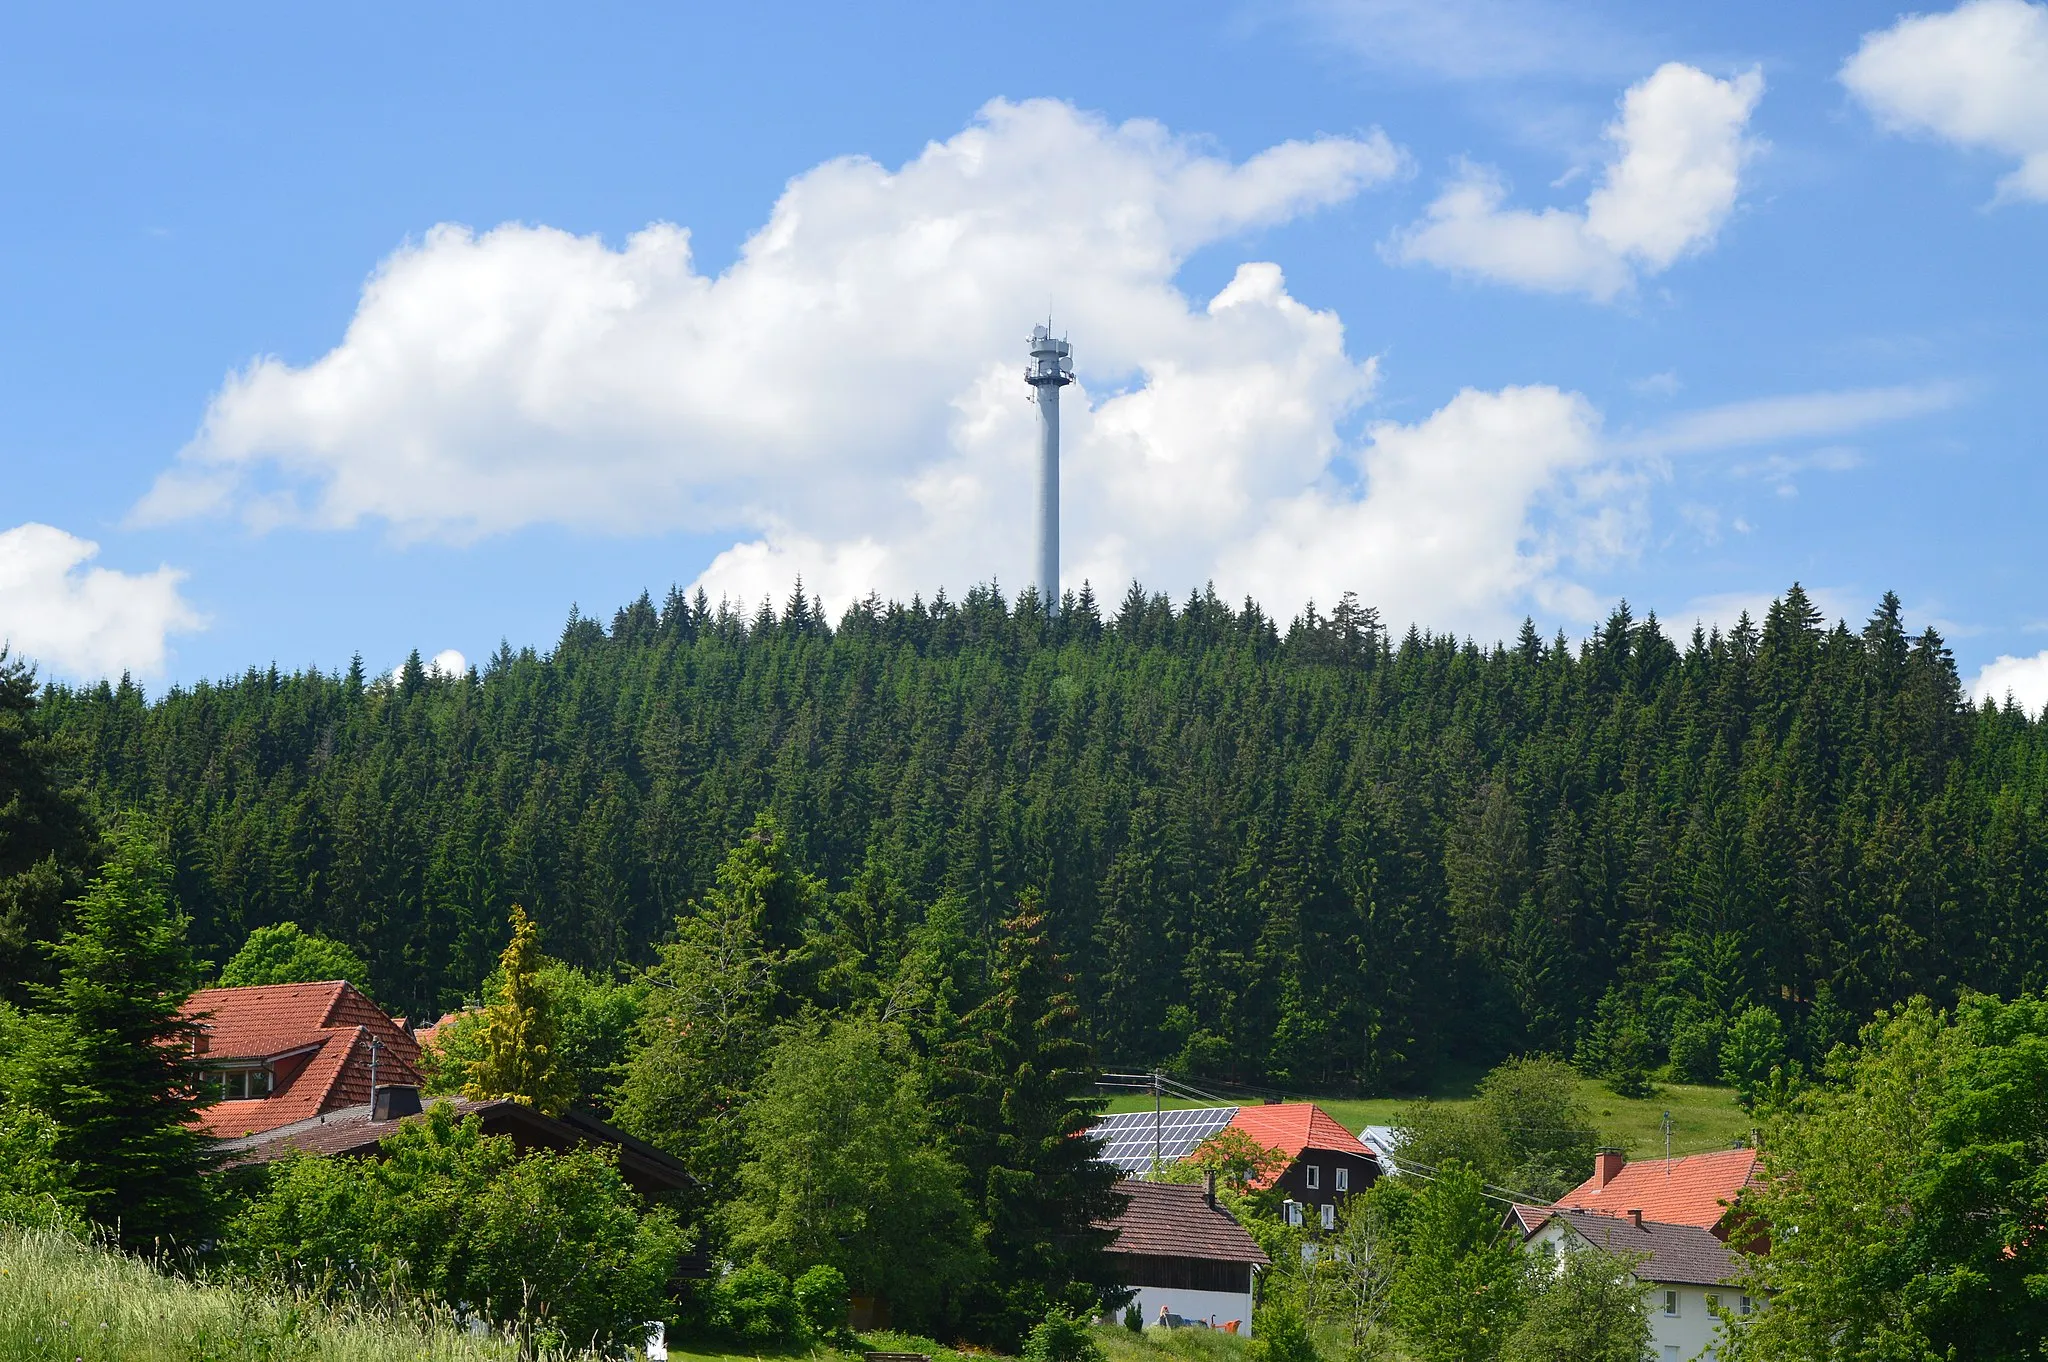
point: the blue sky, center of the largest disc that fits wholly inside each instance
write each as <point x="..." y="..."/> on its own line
<point x="369" y="330"/>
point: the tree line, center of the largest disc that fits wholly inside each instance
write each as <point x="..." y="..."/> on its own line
<point x="1323" y="856"/>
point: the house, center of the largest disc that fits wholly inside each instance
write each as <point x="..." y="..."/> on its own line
<point x="1325" y="1161"/>
<point x="1698" y="1189"/>
<point x="1690" y="1272"/>
<point x="1181" y="1253"/>
<point x="320" y="1069"/>
<point x="278" y="1054"/>
<point x="1678" y="1217"/>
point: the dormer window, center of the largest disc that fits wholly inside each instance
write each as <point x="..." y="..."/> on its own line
<point x="236" y="1085"/>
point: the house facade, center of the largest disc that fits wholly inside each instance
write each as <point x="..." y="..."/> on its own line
<point x="1183" y="1256"/>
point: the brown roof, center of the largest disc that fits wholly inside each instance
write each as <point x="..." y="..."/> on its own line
<point x="1695" y="1190"/>
<point x="316" y="1039"/>
<point x="1294" y="1128"/>
<point x="1685" y="1254"/>
<point x="1167" y="1220"/>
<point x="349" y="1131"/>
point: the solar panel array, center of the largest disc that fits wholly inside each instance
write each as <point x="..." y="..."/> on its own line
<point x="1127" y="1137"/>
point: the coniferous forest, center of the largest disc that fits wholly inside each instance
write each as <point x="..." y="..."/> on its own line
<point x="1321" y="855"/>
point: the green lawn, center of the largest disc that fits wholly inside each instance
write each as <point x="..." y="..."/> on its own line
<point x="1702" y="1118"/>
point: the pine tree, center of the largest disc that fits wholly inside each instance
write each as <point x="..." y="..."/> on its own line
<point x="520" y="1058"/>
<point x="119" y="1079"/>
<point x="1021" y="1084"/>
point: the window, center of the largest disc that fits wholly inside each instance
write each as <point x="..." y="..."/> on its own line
<point x="1311" y="1176"/>
<point x="1329" y="1214"/>
<point x="1742" y="1306"/>
<point x="1671" y="1303"/>
<point x="230" y="1085"/>
<point x="1343" y="1179"/>
<point x="1293" y="1216"/>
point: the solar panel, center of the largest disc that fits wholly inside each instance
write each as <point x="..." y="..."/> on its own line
<point x="1127" y="1137"/>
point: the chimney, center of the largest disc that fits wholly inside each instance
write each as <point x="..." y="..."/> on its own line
<point x="1635" y="1216"/>
<point x="1210" y="1193"/>
<point x="1607" y="1163"/>
<point x="391" y="1101"/>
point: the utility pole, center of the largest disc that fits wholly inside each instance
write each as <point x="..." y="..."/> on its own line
<point x="375" y="1047"/>
<point x="1155" y="1123"/>
<point x="1667" y="1144"/>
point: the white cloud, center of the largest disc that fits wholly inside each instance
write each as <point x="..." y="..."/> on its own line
<point x="1793" y="416"/>
<point x="1976" y="76"/>
<point x="80" y="621"/>
<point x="1679" y="150"/>
<point x="846" y="399"/>
<point x="2024" y="678"/>
<point x="448" y="662"/>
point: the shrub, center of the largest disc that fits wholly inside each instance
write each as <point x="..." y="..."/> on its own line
<point x="1696" y="1048"/>
<point x="1061" y="1337"/>
<point x="756" y="1308"/>
<point x="1281" y="1334"/>
<point x="1755" y="1046"/>
<point x="1134" y="1318"/>
<point x="821" y="1300"/>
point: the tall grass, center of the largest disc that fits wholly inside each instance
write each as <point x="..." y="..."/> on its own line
<point x="65" y="1300"/>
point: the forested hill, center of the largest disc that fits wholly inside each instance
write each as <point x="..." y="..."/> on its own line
<point x="1322" y="857"/>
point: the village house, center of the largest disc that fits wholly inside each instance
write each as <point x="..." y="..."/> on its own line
<point x="1185" y="1258"/>
<point x="320" y="1069"/>
<point x="277" y="1054"/>
<point x="1677" y="1216"/>
<point x="1325" y="1162"/>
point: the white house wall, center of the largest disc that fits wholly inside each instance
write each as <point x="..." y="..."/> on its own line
<point x="1691" y="1335"/>
<point x="1224" y="1305"/>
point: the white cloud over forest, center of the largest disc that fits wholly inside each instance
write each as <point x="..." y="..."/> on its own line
<point x="1678" y="151"/>
<point x="1975" y="76"/>
<point x="80" y="621"/>
<point x="2024" y="679"/>
<point x="846" y="400"/>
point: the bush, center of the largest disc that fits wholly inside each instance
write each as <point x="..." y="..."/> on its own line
<point x="756" y="1308"/>
<point x="1134" y="1318"/>
<point x="1281" y="1334"/>
<point x="821" y="1299"/>
<point x="1696" y="1048"/>
<point x="558" y="1239"/>
<point x="1755" y="1047"/>
<point x="1061" y="1337"/>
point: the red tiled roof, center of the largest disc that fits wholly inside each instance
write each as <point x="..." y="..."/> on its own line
<point x="1296" y="1127"/>
<point x="1695" y="1190"/>
<point x="1167" y="1220"/>
<point x="330" y="1023"/>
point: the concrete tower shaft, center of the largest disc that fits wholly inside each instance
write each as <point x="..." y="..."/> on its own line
<point x="1051" y="368"/>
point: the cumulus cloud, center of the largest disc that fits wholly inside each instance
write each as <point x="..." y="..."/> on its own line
<point x="80" y="621"/>
<point x="846" y="399"/>
<point x="448" y="662"/>
<point x="2024" y="679"/>
<point x="1679" y="149"/>
<point x="1976" y="76"/>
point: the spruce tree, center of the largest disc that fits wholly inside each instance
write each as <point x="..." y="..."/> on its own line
<point x="1021" y="1086"/>
<point x="119" y="1078"/>
<point x="46" y="840"/>
<point x="521" y="1057"/>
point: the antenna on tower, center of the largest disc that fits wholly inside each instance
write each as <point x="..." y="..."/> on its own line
<point x="1051" y="368"/>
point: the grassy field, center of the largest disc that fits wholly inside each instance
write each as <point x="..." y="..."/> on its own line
<point x="63" y="1301"/>
<point x="1702" y="1118"/>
